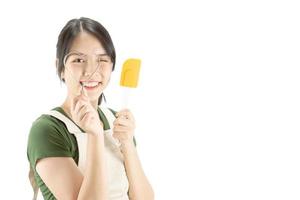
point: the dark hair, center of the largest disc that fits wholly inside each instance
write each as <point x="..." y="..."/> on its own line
<point x="68" y="34"/>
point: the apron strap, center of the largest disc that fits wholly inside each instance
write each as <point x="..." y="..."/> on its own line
<point x="72" y="128"/>
<point x="108" y="133"/>
<point x="80" y="137"/>
<point x="33" y="183"/>
<point x="109" y="116"/>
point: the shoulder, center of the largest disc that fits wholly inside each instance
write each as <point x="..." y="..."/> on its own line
<point x="46" y="129"/>
<point x="45" y="123"/>
<point x="47" y="139"/>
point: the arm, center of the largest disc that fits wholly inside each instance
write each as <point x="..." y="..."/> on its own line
<point x="139" y="187"/>
<point x="65" y="181"/>
<point x="95" y="185"/>
<point x="63" y="177"/>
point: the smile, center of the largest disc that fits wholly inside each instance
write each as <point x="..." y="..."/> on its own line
<point x="90" y="85"/>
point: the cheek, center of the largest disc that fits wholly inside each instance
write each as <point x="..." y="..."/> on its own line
<point x="72" y="82"/>
<point x="106" y="77"/>
<point x="73" y="75"/>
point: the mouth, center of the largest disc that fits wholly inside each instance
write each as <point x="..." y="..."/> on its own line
<point x="90" y="85"/>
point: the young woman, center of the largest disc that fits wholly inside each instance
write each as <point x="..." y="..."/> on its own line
<point x="80" y="150"/>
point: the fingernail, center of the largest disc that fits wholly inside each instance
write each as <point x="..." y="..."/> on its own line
<point x="84" y="92"/>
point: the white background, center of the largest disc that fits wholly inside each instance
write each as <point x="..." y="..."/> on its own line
<point x="217" y="107"/>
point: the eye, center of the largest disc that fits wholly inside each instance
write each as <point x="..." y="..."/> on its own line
<point x="104" y="59"/>
<point x="78" y="60"/>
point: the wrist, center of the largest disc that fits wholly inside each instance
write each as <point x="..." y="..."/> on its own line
<point x="95" y="138"/>
<point x="127" y="145"/>
<point x="95" y="133"/>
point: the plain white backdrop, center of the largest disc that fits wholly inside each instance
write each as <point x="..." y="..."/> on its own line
<point x="217" y="107"/>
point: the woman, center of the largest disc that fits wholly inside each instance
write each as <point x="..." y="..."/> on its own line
<point x="85" y="60"/>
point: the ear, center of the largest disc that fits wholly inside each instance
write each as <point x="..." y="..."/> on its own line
<point x="62" y="75"/>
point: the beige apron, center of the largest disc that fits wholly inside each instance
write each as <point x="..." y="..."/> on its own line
<point x="117" y="179"/>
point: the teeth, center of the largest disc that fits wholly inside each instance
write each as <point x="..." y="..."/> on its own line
<point x="90" y="84"/>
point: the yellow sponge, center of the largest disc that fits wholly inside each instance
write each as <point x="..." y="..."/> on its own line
<point x="130" y="73"/>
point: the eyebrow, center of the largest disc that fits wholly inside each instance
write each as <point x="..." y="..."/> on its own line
<point x="80" y="53"/>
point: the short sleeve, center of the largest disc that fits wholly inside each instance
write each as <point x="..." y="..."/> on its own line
<point x="115" y="112"/>
<point x="45" y="140"/>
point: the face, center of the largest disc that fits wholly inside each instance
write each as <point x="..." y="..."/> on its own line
<point x="87" y="65"/>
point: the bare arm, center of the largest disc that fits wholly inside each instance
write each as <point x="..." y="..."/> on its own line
<point x="139" y="187"/>
<point x="65" y="181"/>
<point x="95" y="185"/>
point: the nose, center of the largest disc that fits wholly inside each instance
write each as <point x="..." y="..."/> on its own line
<point x="90" y="68"/>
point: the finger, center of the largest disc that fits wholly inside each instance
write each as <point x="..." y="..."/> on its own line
<point x="122" y="122"/>
<point x="122" y="128"/>
<point x="86" y="118"/>
<point x="81" y="109"/>
<point x="123" y="111"/>
<point x="119" y="135"/>
<point x="79" y="104"/>
<point x="84" y="110"/>
<point x="76" y="99"/>
<point x="126" y="113"/>
<point x="82" y="113"/>
<point x="84" y="92"/>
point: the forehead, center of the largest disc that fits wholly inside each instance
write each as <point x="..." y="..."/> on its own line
<point x="87" y="43"/>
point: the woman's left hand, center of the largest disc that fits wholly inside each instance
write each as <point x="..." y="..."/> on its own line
<point x="124" y="126"/>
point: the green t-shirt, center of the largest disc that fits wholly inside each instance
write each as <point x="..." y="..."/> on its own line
<point x="49" y="137"/>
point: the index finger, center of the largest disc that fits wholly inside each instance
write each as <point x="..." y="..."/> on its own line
<point x="126" y="113"/>
<point x="83" y="96"/>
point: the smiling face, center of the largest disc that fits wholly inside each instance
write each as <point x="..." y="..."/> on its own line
<point x="87" y="65"/>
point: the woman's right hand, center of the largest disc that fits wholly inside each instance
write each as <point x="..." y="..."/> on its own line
<point x="85" y="115"/>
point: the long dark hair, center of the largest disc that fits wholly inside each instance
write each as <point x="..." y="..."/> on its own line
<point x="68" y="34"/>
